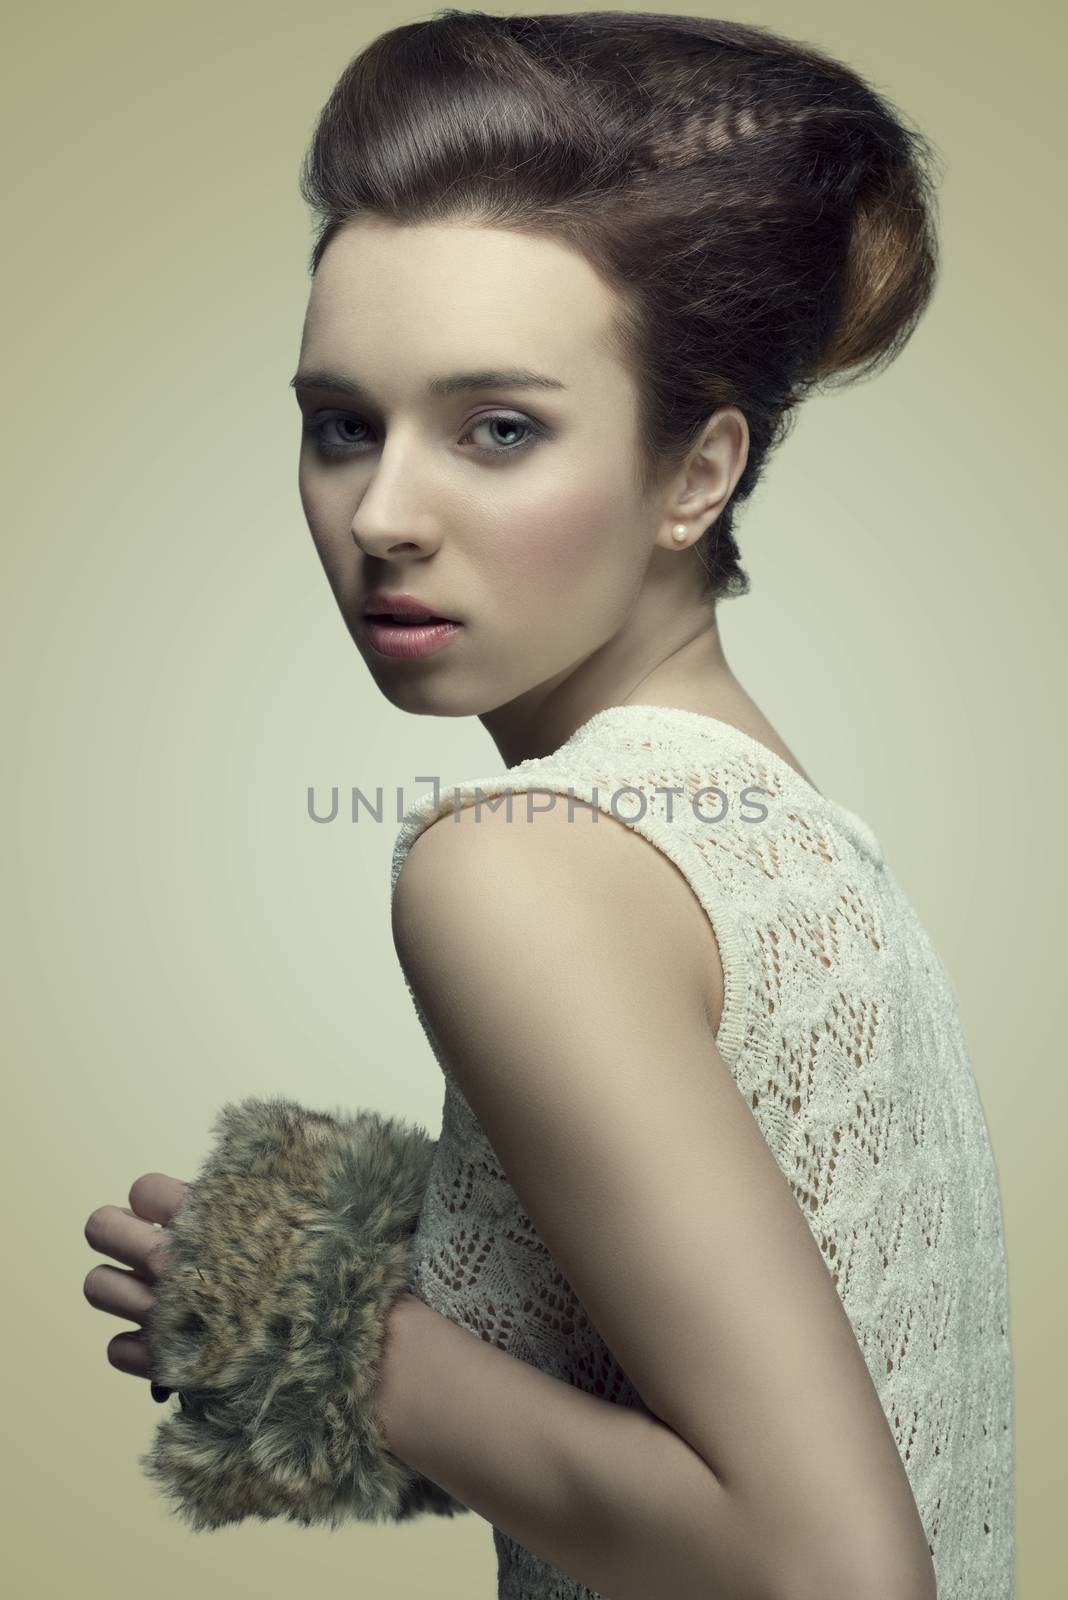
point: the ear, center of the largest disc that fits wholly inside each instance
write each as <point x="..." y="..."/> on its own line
<point x="707" y="481"/>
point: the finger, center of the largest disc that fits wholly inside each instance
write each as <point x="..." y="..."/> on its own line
<point x="156" y="1197"/>
<point x="129" y="1352"/>
<point x="121" y="1294"/>
<point x="116" y="1232"/>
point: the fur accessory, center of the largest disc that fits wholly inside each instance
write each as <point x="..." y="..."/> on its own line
<point x="284" y="1260"/>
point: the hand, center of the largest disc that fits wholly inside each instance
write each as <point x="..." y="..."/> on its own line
<point x="130" y="1235"/>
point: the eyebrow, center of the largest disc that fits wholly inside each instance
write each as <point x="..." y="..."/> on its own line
<point x="451" y="383"/>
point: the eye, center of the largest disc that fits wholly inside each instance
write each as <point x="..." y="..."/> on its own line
<point x="333" y="445"/>
<point x="320" y="429"/>
<point x="530" y="434"/>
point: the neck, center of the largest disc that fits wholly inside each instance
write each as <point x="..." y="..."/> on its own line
<point x="693" y="675"/>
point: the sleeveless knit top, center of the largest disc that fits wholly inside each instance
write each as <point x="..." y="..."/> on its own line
<point x="841" y="1028"/>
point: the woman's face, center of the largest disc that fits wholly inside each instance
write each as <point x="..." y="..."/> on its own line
<point x="508" y="506"/>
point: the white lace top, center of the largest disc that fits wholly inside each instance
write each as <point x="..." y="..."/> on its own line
<point x="841" y="1027"/>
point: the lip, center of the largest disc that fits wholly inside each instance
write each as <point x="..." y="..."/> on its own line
<point x="407" y="641"/>
<point x="404" y="605"/>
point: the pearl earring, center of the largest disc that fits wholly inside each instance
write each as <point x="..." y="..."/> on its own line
<point x="679" y="531"/>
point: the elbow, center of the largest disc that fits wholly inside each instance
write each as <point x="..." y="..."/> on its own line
<point x="884" y="1558"/>
<point x="871" y="1579"/>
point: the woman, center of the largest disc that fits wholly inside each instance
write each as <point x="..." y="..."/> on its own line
<point x="702" y="1288"/>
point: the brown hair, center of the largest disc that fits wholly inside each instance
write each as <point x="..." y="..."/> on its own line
<point x="763" y="215"/>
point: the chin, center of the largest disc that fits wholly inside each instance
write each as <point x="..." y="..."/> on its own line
<point x="420" y="700"/>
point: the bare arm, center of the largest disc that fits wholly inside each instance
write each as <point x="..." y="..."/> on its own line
<point x="608" y="1494"/>
<point x="548" y="961"/>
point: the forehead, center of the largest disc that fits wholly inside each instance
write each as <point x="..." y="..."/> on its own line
<point x="457" y="295"/>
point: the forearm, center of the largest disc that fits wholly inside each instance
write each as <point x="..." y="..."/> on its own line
<point x="606" y="1493"/>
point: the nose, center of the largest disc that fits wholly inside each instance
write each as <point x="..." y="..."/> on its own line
<point x="383" y="543"/>
<point x="394" y="514"/>
<point x="384" y="531"/>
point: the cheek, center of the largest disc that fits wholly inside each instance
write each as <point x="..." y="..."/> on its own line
<point x="324" y="511"/>
<point x="574" y="546"/>
<point x="311" y="498"/>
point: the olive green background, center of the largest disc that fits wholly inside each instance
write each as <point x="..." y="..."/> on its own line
<point x="180" y="933"/>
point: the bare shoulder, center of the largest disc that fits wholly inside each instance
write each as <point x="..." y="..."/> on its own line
<point x="568" y="856"/>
